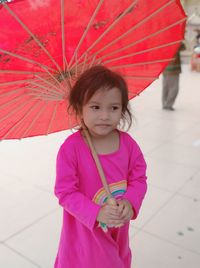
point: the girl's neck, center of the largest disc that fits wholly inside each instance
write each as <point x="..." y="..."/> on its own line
<point x="106" y="144"/>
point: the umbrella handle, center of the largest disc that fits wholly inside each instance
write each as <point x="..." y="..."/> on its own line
<point x="111" y="200"/>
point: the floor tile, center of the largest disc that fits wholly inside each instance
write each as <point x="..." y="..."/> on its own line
<point x="190" y="138"/>
<point x="11" y="259"/>
<point x="21" y="205"/>
<point x="152" y="252"/>
<point x="39" y="242"/>
<point x="192" y="187"/>
<point x="32" y="160"/>
<point x="7" y="179"/>
<point x="153" y="202"/>
<point x="178" y="154"/>
<point x="146" y="144"/>
<point x="164" y="129"/>
<point x="178" y="222"/>
<point x="168" y="175"/>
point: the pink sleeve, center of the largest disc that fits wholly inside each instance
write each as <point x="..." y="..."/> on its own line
<point x="137" y="185"/>
<point x="67" y="189"/>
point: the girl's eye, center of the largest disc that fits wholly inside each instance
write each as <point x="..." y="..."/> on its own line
<point x="94" y="107"/>
<point x="115" y="108"/>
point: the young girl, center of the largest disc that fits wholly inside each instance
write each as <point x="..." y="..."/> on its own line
<point x="100" y="100"/>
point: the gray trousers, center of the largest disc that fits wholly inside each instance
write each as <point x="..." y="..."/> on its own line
<point x="170" y="89"/>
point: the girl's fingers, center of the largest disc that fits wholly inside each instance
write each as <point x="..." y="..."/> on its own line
<point x="119" y="225"/>
<point x="127" y="215"/>
<point x="115" y="215"/>
<point x="120" y="208"/>
<point x="115" y="223"/>
<point x="112" y="210"/>
<point x="108" y="213"/>
<point x="125" y="212"/>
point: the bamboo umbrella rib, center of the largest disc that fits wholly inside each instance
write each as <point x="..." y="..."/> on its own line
<point x="45" y="97"/>
<point x="141" y="63"/>
<point x="20" y="120"/>
<point x="137" y="25"/>
<point x="54" y="78"/>
<point x="49" y="90"/>
<point x="36" y="63"/>
<point x="42" y="82"/>
<point x="144" y="38"/>
<point x="130" y="92"/>
<point x="34" y="120"/>
<point x="141" y="77"/>
<point x="31" y="82"/>
<point x="32" y="35"/>
<point x="11" y="92"/>
<point x="99" y="62"/>
<point x="58" y="89"/>
<point x="92" y="61"/>
<point x="40" y="92"/>
<point x="27" y="59"/>
<point x="133" y="28"/>
<point x="84" y="63"/>
<point x="13" y="111"/>
<point x="96" y="62"/>
<point x="19" y="72"/>
<point x="66" y="81"/>
<point x="40" y="95"/>
<point x="133" y="94"/>
<point x="65" y="64"/>
<point x="107" y="30"/>
<point x="141" y="52"/>
<point x="70" y="79"/>
<point x="52" y="118"/>
<point x="10" y="101"/>
<point x="39" y="87"/>
<point x="86" y="30"/>
<point x="79" y="68"/>
<point x="10" y="83"/>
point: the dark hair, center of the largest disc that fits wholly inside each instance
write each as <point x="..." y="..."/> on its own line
<point x="91" y="81"/>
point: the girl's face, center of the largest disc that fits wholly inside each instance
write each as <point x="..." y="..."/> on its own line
<point x="102" y="113"/>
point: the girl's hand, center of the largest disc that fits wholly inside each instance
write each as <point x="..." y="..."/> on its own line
<point x="125" y="209"/>
<point x="110" y="215"/>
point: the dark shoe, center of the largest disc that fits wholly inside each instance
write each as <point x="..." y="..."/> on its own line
<point x="169" y="108"/>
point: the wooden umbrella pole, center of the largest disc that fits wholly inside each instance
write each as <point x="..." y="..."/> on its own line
<point x="111" y="200"/>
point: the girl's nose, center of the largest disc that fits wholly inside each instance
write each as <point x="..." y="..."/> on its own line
<point x="104" y="115"/>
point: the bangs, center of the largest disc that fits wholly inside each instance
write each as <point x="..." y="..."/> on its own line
<point x="96" y="86"/>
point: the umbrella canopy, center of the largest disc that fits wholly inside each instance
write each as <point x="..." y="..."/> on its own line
<point x="45" y="46"/>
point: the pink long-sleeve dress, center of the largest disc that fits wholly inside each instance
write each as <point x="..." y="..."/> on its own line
<point x="83" y="244"/>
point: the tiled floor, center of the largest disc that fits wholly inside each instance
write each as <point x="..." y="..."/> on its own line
<point x="167" y="232"/>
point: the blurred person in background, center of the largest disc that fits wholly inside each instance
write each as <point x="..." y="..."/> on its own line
<point x="170" y="86"/>
<point x="195" y="60"/>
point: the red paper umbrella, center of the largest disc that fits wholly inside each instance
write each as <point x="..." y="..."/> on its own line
<point x="45" y="46"/>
